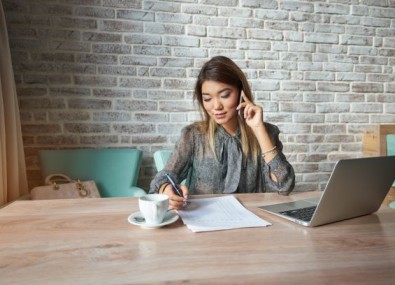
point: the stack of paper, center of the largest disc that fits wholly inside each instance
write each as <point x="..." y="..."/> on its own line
<point x="219" y="213"/>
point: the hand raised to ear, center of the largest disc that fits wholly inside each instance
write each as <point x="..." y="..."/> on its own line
<point x="253" y="114"/>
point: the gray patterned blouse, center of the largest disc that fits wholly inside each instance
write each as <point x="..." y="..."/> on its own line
<point x="205" y="173"/>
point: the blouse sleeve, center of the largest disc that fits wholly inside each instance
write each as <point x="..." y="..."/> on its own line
<point x="279" y="166"/>
<point x="179" y="162"/>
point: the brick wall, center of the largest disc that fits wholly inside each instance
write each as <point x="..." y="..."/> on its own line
<point x="117" y="73"/>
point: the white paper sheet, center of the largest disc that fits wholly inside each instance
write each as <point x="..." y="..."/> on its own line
<point x="218" y="213"/>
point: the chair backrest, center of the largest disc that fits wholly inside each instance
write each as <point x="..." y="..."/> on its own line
<point x="115" y="171"/>
<point x="161" y="157"/>
<point x="391" y="147"/>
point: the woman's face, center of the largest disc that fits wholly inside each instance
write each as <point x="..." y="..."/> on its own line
<point x="220" y="101"/>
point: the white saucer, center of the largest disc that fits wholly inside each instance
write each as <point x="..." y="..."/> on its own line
<point x="170" y="217"/>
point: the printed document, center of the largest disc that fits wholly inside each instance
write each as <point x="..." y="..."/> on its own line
<point x="218" y="213"/>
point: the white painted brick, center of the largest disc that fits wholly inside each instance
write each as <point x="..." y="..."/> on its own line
<point x="115" y="73"/>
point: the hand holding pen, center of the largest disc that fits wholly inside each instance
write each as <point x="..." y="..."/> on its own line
<point x="179" y="197"/>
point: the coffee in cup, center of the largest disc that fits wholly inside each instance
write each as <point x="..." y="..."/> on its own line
<point x="154" y="207"/>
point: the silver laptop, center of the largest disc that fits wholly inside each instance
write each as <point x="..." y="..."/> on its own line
<point x="355" y="188"/>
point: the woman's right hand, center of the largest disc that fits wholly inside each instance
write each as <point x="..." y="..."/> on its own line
<point x="176" y="202"/>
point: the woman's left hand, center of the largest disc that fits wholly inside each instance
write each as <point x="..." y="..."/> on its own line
<point x="253" y="114"/>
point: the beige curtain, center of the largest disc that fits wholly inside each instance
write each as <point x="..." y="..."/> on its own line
<point x="13" y="181"/>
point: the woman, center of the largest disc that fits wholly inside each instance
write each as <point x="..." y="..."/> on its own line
<point x="229" y="151"/>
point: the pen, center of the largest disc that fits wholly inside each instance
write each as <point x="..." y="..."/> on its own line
<point x="179" y="193"/>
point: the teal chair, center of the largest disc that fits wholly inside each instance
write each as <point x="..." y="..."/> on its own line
<point x="161" y="157"/>
<point x="115" y="171"/>
<point x="391" y="151"/>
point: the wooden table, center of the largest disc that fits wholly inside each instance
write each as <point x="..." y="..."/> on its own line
<point x="91" y="242"/>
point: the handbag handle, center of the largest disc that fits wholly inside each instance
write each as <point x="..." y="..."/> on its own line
<point x="57" y="178"/>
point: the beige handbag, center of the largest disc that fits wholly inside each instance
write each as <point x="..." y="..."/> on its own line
<point x="60" y="186"/>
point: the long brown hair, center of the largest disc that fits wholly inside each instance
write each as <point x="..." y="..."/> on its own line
<point x="224" y="70"/>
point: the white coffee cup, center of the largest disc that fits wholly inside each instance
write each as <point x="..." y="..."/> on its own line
<point x="154" y="207"/>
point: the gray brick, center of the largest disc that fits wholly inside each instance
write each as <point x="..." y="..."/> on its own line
<point x="94" y="12"/>
<point x="265" y="35"/>
<point x="362" y="51"/>
<point x="374" y="60"/>
<point x="96" y="104"/>
<point x="139" y="83"/>
<point x="181" y="41"/>
<point x="297" y="6"/>
<point x="305" y="17"/>
<point x="296" y="56"/>
<point x="299" y="47"/>
<point x="297" y="107"/>
<point x="331" y="49"/>
<point x="38" y="129"/>
<point x="325" y="76"/>
<point x="134" y="128"/>
<point x="265" y="4"/>
<point x="254" y="54"/>
<point x="232" y="33"/>
<point x="245" y="23"/>
<point x="367" y="87"/>
<point x="138" y="60"/>
<point x="268" y="14"/>
<point x="332" y="8"/>
<point x="59" y="140"/>
<point x="319" y="97"/>
<point x="366" y="108"/>
<point x="152" y="50"/>
<point x="162" y="6"/>
<point x="190" y="52"/>
<point x="111" y="48"/>
<point x="175" y="62"/>
<point x="174" y="18"/>
<point x="135" y="105"/>
<point x="382" y="119"/>
<point x="111" y="116"/>
<point x="354" y="118"/>
<point x="298" y="86"/>
<point x="151" y="117"/>
<point x="117" y="70"/>
<point x="196" y="9"/>
<point x="195" y="30"/>
<point x="382" y="12"/>
<point x="122" y="4"/>
<point x="70" y="91"/>
<point x="274" y="74"/>
<point x="210" y="21"/>
<point x="114" y="26"/>
<point x="143" y="39"/>
<point x="111" y="93"/>
<point x="308" y="118"/>
<point x="95" y="81"/>
<point x="159" y="28"/>
<point x="168" y="72"/>
<point x="96" y="58"/>
<point x="335" y="87"/>
<point x="332" y="108"/>
<point x="240" y="12"/>
<point x="310" y="66"/>
<point x="135" y="15"/>
<point x="74" y="23"/>
<point x="99" y="139"/>
<point x="350" y="97"/>
<point x="183" y="84"/>
<point x="321" y="38"/>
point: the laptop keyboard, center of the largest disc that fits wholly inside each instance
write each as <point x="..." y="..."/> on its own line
<point x="304" y="214"/>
